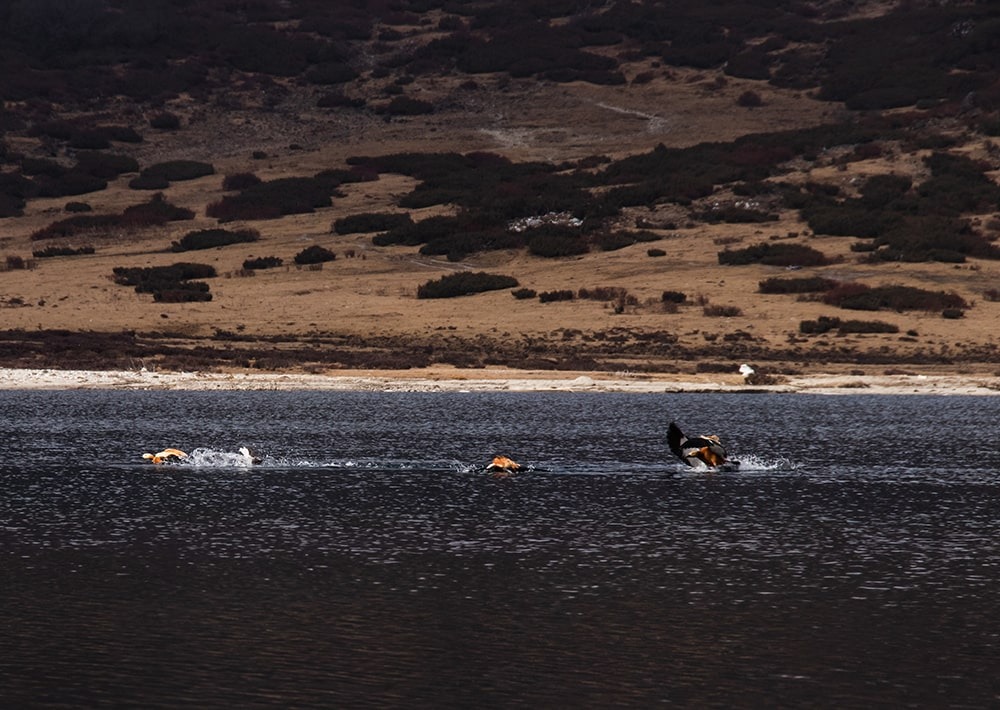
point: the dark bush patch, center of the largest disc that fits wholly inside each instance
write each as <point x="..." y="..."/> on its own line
<point x="372" y="222"/>
<point x="83" y="139"/>
<point x="655" y="252"/>
<point x="602" y="293"/>
<point x="61" y="251"/>
<point x="71" y="182"/>
<point x="14" y="262"/>
<point x="338" y="100"/>
<point x="168" y="284"/>
<point x="523" y="293"/>
<point x="240" y="181"/>
<point x="105" y="165"/>
<point x="866" y="326"/>
<point x="274" y="198"/>
<point x="714" y="311"/>
<point x="263" y="262"/>
<point x="179" y="170"/>
<point x="673" y="297"/>
<point x="808" y="284"/>
<point x="156" y="211"/>
<point x="77" y="207"/>
<point x="825" y="324"/>
<point x="612" y="241"/>
<point x="860" y="297"/>
<point x="148" y="182"/>
<point x="552" y="296"/>
<point x="314" y="254"/>
<point x="212" y="238"/>
<point x="41" y="166"/>
<point x="554" y="244"/>
<point x="774" y="254"/>
<point x="185" y="292"/>
<point x="406" y="106"/>
<point x="165" y="121"/>
<point x="749" y="99"/>
<point x="464" y="282"/>
<point x="953" y="313"/>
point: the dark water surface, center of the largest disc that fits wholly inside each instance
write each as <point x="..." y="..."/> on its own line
<point x="854" y="563"/>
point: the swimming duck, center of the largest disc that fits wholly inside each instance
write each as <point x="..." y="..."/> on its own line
<point x="166" y="456"/>
<point x="501" y="467"/>
<point x="250" y="456"/>
<point x="705" y="449"/>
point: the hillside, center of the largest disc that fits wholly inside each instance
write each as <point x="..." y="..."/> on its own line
<point x="666" y="186"/>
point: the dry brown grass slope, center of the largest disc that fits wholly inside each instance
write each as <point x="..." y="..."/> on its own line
<point x="371" y="297"/>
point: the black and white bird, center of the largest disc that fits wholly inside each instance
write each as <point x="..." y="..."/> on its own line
<point x="250" y="456"/>
<point x="704" y="450"/>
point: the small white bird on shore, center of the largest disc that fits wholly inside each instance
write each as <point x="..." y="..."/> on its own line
<point x="746" y="371"/>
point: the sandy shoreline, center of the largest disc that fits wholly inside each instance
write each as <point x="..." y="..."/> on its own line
<point x="454" y="380"/>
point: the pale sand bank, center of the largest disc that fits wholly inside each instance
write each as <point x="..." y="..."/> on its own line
<point x="454" y="380"/>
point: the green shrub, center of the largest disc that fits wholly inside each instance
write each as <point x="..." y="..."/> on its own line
<point x="314" y="254"/>
<point x="462" y="283"/>
<point x="212" y="238"/>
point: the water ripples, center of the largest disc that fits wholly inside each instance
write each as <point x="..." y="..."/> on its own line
<point x="368" y="560"/>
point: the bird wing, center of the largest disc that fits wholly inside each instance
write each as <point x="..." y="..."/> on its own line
<point x="692" y="450"/>
<point x="678" y="443"/>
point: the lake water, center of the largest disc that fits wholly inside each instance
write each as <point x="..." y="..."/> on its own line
<point x="853" y="563"/>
